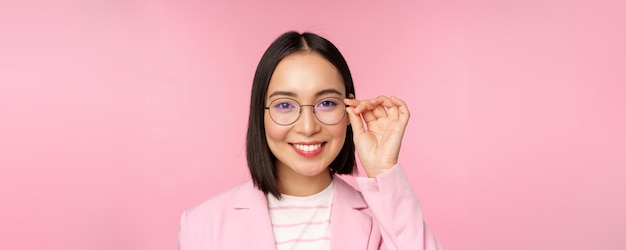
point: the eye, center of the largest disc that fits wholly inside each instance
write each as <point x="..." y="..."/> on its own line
<point x="284" y="105"/>
<point x="327" y="104"/>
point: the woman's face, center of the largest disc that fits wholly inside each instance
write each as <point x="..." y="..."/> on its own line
<point x="307" y="147"/>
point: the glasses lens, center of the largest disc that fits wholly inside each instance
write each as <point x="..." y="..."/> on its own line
<point x="330" y="110"/>
<point x="284" y="111"/>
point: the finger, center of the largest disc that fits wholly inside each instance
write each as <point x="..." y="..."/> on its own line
<point x="355" y="122"/>
<point x="360" y="106"/>
<point x="390" y="107"/>
<point x="371" y="109"/>
<point x="379" y="110"/>
<point x="368" y="116"/>
<point x="403" y="109"/>
<point x="351" y="102"/>
<point x="354" y="103"/>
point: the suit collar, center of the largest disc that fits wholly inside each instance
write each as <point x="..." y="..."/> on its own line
<point x="350" y="227"/>
<point x="252" y="227"/>
<point x="346" y="194"/>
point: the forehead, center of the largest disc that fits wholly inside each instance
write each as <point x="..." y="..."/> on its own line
<point x="304" y="75"/>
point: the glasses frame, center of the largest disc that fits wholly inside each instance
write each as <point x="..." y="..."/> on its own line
<point x="307" y="105"/>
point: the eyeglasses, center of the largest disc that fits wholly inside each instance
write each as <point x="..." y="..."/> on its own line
<point x="286" y="111"/>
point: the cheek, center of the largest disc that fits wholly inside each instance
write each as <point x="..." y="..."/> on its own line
<point x="273" y="132"/>
<point x="342" y="127"/>
<point x="268" y="128"/>
<point x="339" y="131"/>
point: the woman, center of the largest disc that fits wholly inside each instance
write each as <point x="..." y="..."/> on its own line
<point x="304" y="126"/>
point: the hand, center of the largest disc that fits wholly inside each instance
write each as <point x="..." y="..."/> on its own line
<point x="378" y="142"/>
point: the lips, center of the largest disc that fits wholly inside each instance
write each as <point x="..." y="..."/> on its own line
<point x="308" y="149"/>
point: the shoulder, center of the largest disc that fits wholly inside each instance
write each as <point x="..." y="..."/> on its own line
<point x="216" y="206"/>
<point x="202" y="226"/>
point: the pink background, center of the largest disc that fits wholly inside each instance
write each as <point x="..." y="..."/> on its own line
<point x="115" y="116"/>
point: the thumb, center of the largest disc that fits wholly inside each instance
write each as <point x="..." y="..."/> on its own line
<point x="356" y="122"/>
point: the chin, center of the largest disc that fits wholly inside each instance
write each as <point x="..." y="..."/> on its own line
<point x="312" y="172"/>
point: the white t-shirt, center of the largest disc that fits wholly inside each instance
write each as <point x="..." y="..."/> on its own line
<point x="302" y="222"/>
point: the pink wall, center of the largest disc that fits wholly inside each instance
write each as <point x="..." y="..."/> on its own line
<point x="115" y="116"/>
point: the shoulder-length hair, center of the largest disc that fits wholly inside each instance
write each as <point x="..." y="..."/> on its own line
<point x="261" y="161"/>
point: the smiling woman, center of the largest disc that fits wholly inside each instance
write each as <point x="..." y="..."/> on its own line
<point x="305" y="149"/>
<point x="303" y="129"/>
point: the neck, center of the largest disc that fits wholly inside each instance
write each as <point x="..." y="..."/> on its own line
<point x="298" y="185"/>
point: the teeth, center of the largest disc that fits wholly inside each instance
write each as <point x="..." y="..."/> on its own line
<point x="307" y="148"/>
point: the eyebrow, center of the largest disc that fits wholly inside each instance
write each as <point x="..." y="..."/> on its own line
<point x="292" y="94"/>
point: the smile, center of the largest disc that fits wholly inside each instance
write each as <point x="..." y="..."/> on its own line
<point x="308" y="150"/>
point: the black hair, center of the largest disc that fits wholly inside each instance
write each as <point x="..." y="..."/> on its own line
<point x="261" y="161"/>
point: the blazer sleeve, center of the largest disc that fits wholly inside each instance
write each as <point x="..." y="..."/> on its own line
<point x="184" y="234"/>
<point x="395" y="207"/>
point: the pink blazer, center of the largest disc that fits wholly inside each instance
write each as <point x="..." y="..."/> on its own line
<point x="384" y="215"/>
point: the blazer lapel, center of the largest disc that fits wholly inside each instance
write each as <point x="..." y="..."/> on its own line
<point x="251" y="227"/>
<point x="350" y="228"/>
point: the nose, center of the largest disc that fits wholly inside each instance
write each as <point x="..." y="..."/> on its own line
<point x="307" y="123"/>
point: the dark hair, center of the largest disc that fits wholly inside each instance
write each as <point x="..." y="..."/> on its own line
<point x="261" y="161"/>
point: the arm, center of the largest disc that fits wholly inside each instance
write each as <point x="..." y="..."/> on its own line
<point x="397" y="211"/>
<point x="378" y="125"/>
<point x="184" y="235"/>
